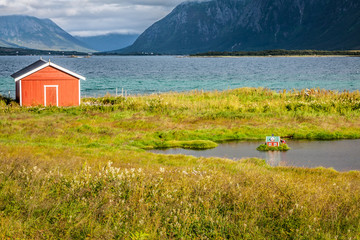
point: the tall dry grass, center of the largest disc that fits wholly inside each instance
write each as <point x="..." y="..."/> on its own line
<point x="134" y="195"/>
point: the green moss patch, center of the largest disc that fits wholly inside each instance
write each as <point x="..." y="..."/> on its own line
<point x="193" y="144"/>
<point x="264" y="147"/>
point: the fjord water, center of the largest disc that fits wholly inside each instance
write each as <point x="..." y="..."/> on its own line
<point x="342" y="155"/>
<point x="153" y="74"/>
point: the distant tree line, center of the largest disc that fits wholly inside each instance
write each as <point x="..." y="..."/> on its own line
<point x="24" y="51"/>
<point x="113" y="53"/>
<point x="281" y="52"/>
<point x="277" y="52"/>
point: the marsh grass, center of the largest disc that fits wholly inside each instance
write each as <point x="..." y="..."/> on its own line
<point x="80" y="172"/>
<point x="158" y="120"/>
<point x="68" y="193"/>
<point x="265" y="147"/>
<point x="193" y="144"/>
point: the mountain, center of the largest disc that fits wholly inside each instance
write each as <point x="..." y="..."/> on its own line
<point x="108" y="42"/>
<point x="6" y="44"/>
<point x="248" y="25"/>
<point x="31" y="32"/>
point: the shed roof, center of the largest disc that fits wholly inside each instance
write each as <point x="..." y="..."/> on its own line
<point x="275" y="139"/>
<point x="37" y="66"/>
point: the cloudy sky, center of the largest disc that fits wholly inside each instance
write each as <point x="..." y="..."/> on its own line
<point x="94" y="17"/>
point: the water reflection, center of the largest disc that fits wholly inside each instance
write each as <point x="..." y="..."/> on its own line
<point x="273" y="158"/>
<point x="342" y="155"/>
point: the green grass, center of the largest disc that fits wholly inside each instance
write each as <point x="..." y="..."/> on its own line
<point x="151" y="121"/>
<point x="194" y="144"/>
<point x="82" y="172"/>
<point x="265" y="147"/>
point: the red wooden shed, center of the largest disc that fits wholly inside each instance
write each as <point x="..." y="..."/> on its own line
<point x="45" y="83"/>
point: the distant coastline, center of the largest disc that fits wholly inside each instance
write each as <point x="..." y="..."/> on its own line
<point x="26" y="52"/>
<point x="265" y="53"/>
<point x="282" y="53"/>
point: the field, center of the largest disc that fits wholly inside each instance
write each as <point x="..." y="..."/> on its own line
<point x="83" y="172"/>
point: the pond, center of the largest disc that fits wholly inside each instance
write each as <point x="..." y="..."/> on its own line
<point x="342" y="155"/>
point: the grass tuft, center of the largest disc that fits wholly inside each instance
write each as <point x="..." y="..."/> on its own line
<point x="265" y="147"/>
<point x="194" y="144"/>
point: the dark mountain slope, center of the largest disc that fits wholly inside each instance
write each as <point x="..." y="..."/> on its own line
<point x="238" y="25"/>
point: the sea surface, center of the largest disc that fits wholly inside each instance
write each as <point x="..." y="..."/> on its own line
<point x="154" y="74"/>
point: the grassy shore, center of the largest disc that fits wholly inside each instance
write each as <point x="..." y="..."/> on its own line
<point x="81" y="172"/>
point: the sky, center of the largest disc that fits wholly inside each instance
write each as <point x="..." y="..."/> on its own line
<point x="94" y="17"/>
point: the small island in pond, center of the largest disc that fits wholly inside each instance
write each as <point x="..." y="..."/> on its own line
<point x="281" y="147"/>
<point x="273" y="143"/>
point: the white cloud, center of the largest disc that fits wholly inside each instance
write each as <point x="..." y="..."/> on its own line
<point x="93" y="17"/>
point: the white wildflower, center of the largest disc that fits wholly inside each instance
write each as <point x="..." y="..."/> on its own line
<point x="110" y="163"/>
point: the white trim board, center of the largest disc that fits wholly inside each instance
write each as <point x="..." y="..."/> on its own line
<point x="57" y="93"/>
<point x="52" y="65"/>
<point x="20" y="92"/>
<point x="79" y="93"/>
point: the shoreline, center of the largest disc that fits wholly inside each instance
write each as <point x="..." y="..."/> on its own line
<point x="273" y="56"/>
<point x="280" y="53"/>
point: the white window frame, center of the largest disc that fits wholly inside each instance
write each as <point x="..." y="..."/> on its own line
<point x="57" y="93"/>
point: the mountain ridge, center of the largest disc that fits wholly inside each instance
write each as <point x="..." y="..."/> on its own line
<point x="252" y="25"/>
<point x="34" y="33"/>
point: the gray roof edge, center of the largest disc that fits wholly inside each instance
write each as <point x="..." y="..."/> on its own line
<point x="36" y="66"/>
<point x="29" y="68"/>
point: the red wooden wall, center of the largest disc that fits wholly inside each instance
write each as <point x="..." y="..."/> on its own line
<point x="32" y="87"/>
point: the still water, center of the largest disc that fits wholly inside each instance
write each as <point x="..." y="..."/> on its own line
<point x="342" y="155"/>
<point x="153" y="74"/>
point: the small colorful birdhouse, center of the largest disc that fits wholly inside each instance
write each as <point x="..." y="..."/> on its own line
<point x="273" y="141"/>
